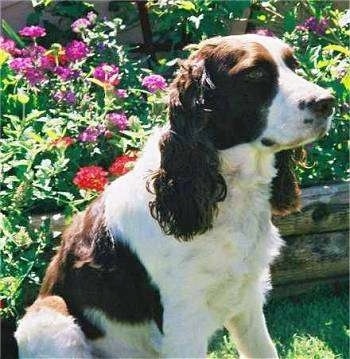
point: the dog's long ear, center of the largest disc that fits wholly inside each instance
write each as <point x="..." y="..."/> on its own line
<point x="188" y="184"/>
<point x="285" y="196"/>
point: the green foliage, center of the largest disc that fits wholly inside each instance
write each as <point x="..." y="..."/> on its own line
<point x="41" y="150"/>
<point x="184" y="21"/>
<point x="323" y="59"/>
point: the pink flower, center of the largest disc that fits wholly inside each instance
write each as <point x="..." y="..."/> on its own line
<point x="263" y="32"/>
<point x="33" y="31"/>
<point x="91" y="134"/>
<point x="33" y="51"/>
<point x="119" y="120"/>
<point x="34" y="76"/>
<point x="154" y="83"/>
<point x="20" y="64"/>
<point x="107" y="73"/>
<point x="9" y="46"/>
<point x="65" y="73"/>
<point x="80" y="25"/>
<point x="121" y="93"/>
<point x="76" y="50"/>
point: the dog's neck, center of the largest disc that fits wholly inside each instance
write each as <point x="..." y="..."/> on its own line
<point x="247" y="165"/>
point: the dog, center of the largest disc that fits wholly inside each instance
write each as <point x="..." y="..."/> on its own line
<point x="181" y="245"/>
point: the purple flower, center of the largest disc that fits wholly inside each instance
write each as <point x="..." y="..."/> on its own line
<point x="33" y="51"/>
<point x="154" y="83"/>
<point x="66" y="96"/>
<point x="76" y="50"/>
<point x="101" y="47"/>
<point x="20" y="64"/>
<point x="119" y="120"/>
<point x="33" y="31"/>
<point x="47" y="63"/>
<point x="263" y="32"/>
<point x="121" y="93"/>
<point x="70" y="97"/>
<point x="66" y="73"/>
<point x="80" y="25"/>
<point x="91" y="134"/>
<point x="9" y="46"/>
<point x="319" y="27"/>
<point x="107" y="73"/>
<point x="91" y="16"/>
<point x="34" y="76"/>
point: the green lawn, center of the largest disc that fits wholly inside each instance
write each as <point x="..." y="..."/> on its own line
<point x="310" y="326"/>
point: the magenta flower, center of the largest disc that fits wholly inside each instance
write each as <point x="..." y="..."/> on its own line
<point x="33" y="31"/>
<point x="80" y="25"/>
<point x="21" y="64"/>
<point x="312" y="24"/>
<point x="91" y="134"/>
<point x="34" y="76"/>
<point x="119" y="120"/>
<point x="121" y="93"/>
<point x="263" y="32"/>
<point x="66" y="73"/>
<point x="154" y="83"/>
<point x="33" y="51"/>
<point x="107" y="73"/>
<point x="47" y="63"/>
<point x="76" y="50"/>
<point x="65" y="96"/>
<point x="9" y="46"/>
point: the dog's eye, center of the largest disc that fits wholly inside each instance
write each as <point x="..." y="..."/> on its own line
<point x="255" y="75"/>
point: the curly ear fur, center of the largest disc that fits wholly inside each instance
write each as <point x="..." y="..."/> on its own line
<point x="285" y="196"/>
<point x="188" y="184"/>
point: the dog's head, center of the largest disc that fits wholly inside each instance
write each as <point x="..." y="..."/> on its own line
<point x="233" y="90"/>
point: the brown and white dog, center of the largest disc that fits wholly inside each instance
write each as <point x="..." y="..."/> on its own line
<point x="181" y="245"/>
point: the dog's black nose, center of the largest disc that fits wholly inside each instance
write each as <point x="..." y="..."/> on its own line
<point x="321" y="107"/>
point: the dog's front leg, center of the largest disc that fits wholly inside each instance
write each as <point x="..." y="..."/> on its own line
<point x="249" y="332"/>
<point x="185" y="327"/>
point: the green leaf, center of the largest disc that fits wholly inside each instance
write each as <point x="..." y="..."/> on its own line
<point x="346" y="81"/>
<point x="186" y="5"/>
<point x="8" y="30"/>
<point x="3" y="56"/>
<point x="337" y="48"/>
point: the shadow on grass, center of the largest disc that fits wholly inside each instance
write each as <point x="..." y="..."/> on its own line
<point x="313" y="325"/>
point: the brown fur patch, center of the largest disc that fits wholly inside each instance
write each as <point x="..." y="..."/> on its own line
<point x="53" y="302"/>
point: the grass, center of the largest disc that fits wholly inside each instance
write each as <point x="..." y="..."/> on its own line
<point x="310" y="326"/>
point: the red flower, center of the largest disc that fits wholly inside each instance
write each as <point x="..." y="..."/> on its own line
<point x="63" y="142"/>
<point x="122" y="165"/>
<point x="91" y="177"/>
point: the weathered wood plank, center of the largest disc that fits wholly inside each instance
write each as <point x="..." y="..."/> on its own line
<point x="324" y="209"/>
<point x="312" y="257"/>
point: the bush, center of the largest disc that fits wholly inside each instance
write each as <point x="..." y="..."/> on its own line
<point x="74" y="117"/>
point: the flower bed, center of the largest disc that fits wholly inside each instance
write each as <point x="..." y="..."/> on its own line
<point x="76" y="114"/>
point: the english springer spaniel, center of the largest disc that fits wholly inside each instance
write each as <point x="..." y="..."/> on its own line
<point x="181" y="245"/>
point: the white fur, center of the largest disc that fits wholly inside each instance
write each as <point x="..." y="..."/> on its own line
<point x="205" y="282"/>
<point x="45" y="333"/>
